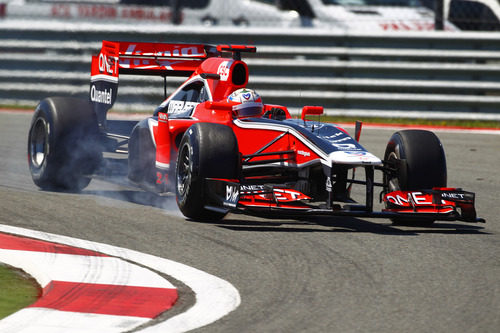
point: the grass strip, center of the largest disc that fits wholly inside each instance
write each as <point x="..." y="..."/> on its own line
<point x="17" y="290"/>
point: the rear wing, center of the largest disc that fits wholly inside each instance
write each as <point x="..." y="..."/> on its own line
<point x="163" y="59"/>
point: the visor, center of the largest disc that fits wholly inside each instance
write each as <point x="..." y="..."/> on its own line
<point x="249" y="109"/>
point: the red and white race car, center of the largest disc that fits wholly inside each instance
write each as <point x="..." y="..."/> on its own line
<point x="215" y="145"/>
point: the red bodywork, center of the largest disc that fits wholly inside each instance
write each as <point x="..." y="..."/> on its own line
<point x="223" y="76"/>
<point x="259" y="143"/>
<point x="436" y="201"/>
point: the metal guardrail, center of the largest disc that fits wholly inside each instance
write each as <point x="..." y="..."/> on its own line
<point x="436" y="74"/>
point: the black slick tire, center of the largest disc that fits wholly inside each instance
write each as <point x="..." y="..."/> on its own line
<point x="419" y="162"/>
<point x="63" y="144"/>
<point x="142" y="155"/>
<point x="206" y="151"/>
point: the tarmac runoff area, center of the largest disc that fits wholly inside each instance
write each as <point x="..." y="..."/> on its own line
<point x="94" y="287"/>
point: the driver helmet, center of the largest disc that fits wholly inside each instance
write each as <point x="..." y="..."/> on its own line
<point x="250" y="103"/>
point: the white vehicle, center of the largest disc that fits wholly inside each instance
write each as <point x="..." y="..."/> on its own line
<point x="191" y="12"/>
<point x="364" y="15"/>
<point x="474" y="14"/>
<point x="237" y="13"/>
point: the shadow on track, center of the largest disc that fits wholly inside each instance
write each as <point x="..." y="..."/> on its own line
<point x="342" y="224"/>
<point x="240" y="222"/>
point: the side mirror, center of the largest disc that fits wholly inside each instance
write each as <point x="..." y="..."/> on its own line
<point x="311" y="110"/>
<point x="221" y="105"/>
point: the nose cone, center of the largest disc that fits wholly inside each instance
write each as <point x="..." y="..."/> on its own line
<point x="354" y="157"/>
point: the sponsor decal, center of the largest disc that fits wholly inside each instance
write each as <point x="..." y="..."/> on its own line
<point x="451" y="195"/>
<point x="136" y="62"/>
<point x="464" y="197"/>
<point x="232" y="195"/>
<point x="107" y="65"/>
<point x="303" y="153"/>
<point x="345" y="146"/>
<point x="252" y="188"/>
<point x="224" y="70"/>
<point x="131" y="50"/>
<point x="416" y="198"/>
<point x="288" y="195"/>
<point x="347" y="138"/>
<point x="180" y="106"/>
<point x="356" y="156"/>
<point x="176" y="51"/>
<point x="355" y="153"/>
<point x="328" y="184"/>
<point x="101" y="96"/>
<point x="332" y="136"/>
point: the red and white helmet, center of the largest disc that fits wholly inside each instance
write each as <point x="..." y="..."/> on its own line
<point x="250" y="102"/>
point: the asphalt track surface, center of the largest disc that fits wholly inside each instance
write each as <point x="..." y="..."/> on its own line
<point x="311" y="275"/>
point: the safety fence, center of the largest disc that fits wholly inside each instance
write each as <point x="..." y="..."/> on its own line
<point x="432" y="74"/>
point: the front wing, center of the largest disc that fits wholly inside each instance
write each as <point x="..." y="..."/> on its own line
<point x="446" y="204"/>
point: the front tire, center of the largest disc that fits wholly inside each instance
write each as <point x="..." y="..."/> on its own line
<point x="206" y="151"/>
<point x="63" y="144"/>
<point x="419" y="163"/>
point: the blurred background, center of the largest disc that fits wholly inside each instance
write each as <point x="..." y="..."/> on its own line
<point x="418" y="58"/>
<point x="352" y="15"/>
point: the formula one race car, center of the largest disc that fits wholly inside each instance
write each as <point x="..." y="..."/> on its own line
<point x="215" y="145"/>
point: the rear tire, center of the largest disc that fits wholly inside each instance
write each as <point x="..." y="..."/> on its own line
<point x="421" y="165"/>
<point x="142" y="155"/>
<point x="63" y="144"/>
<point x="206" y="151"/>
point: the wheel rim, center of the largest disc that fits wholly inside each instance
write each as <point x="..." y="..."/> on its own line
<point x="183" y="171"/>
<point x="391" y="181"/>
<point x="38" y="142"/>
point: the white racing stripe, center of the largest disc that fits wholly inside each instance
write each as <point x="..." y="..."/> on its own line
<point x="102" y="270"/>
<point x="215" y="297"/>
<point x="66" y="322"/>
